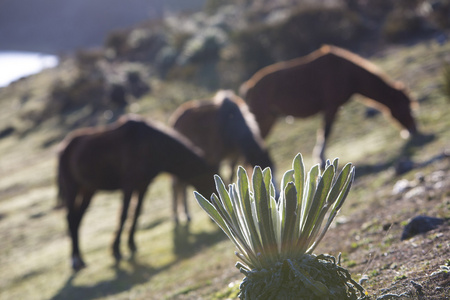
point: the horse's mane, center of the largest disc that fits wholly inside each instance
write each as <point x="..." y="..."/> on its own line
<point x="228" y="95"/>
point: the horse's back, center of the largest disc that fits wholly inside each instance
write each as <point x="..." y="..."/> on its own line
<point x="100" y="158"/>
<point x="305" y="86"/>
<point x="198" y="121"/>
<point x="191" y="114"/>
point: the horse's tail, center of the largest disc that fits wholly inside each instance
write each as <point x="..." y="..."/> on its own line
<point x="60" y="198"/>
<point x="63" y="173"/>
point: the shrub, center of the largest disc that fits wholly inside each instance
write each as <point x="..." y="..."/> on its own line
<point x="164" y="60"/>
<point x="253" y="49"/>
<point x="144" y="44"/>
<point x="275" y="238"/>
<point x="116" y="41"/>
<point x="86" y="60"/>
<point x="211" y="6"/>
<point x="74" y="95"/>
<point x="446" y="80"/>
<point x="302" y="32"/>
<point x="400" y="25"/>
<point x="308" y="28"/>
<point x="204" y="46"/>
<point x="438" y="13"/>
<point x="136" y="85"/>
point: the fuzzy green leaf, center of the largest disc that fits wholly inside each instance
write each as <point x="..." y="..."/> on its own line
<point x="320" y="196"/>
<point x="311" y="183"/>
<point x="290" y="219"/>
<point x="225" y="198"/>
<point x="299" y="176"/>
<point x="261" y="188"/>
<point x="339" y="184"/>
<point x="244" y="196"/>
<point x="242" y="223"/>
<point x="214" y="214"/>
<point x="267" y="177"/>
<point x="345" y="189"/>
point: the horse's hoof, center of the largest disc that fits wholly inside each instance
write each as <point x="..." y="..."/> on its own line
<point x="132" y="257"/>
<point x="77" y="264"/>
<point x="132" y="247"/>
<point x="117" y="255"/>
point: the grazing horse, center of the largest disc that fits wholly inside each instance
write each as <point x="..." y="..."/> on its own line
<point x="223" y="128"/>
<point x="125" y="156"/>
<point x="321" y="82"/>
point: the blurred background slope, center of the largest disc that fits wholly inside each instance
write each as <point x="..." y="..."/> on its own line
<point x="53" y="26"/>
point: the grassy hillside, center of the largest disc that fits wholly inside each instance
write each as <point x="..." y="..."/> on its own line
<point x="195" y="261"/>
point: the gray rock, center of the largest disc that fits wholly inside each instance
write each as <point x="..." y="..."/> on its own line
<point x="420" y="224"/>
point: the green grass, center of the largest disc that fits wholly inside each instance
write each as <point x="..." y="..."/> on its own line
<point x="195" y="262"/>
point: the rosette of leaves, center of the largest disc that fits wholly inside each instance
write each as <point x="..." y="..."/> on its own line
<point x="275" y="238"/>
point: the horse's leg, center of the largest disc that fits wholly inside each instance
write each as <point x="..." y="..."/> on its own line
<point x="179" y="194"/>
<point x="322" y="136"/>
<point x="185" y="204"/>
<point x="74" y="216"/>
<point x="319" y="148"/>
<point x="179" y="191"/>
<point x="233" y="164"/>
<point x="137" y="212"/>
<point x="123" y="216"/>
<point x="175" y="192"/>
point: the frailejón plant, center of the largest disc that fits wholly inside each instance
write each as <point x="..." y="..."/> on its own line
<point x="275" y="238"/>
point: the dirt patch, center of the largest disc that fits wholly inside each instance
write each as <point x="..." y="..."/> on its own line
<point x="415" y="268"/>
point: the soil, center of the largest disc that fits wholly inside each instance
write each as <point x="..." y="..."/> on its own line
<point x="415" y="268"/>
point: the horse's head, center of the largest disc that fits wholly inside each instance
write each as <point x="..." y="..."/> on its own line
<point x="401" y="107"/>
<point x="204" y="183"/>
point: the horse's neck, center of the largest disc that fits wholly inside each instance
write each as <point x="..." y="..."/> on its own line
<point x="264" y="118"/>
<point x="373" y="86"/>
<point x="184" y="162"/>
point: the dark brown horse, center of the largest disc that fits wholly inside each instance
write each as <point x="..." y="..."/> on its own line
<point x="224" y="129"/>
<point x="321" y="82"/>
<point x="126" y="156"/>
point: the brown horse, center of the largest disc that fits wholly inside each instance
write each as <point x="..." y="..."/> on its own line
<point x="224" y="129"/>
<point x="126" y="156"/>
<point x="322" y="82"/>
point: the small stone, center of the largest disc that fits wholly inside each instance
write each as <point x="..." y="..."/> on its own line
<point x="420" y="224"/>
<point x="415" y="192"/>
<point x="401" y="186"/>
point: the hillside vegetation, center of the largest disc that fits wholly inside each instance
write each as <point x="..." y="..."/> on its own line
<point x="195" y="261"/>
